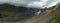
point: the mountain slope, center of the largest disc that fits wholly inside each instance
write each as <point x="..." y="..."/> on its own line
<point x="51" y="15"/>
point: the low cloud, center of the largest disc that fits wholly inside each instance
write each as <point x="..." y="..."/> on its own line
<point x="31" y="3"/>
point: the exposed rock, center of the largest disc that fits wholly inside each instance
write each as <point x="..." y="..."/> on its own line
<point x="51" y="15"/>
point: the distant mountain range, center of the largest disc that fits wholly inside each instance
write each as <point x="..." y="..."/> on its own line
<point x="19" y="12"/>
<point x="20" y="8"/>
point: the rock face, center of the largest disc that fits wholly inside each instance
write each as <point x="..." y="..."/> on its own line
<point x="51" y="15"/>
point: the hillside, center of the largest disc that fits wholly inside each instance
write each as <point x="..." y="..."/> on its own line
<point x="51" y="15"/>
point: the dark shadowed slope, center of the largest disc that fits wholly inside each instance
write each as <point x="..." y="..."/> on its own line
<point x="14" y="13"/>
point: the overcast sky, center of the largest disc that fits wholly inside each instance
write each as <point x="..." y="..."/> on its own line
<point x="31" y="3"/>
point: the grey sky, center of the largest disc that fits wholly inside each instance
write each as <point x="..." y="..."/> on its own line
<point x="31" y="3"/>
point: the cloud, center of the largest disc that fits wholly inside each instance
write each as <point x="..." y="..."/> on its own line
<point x="31" y="3"/>
<point x="51" y="3"/>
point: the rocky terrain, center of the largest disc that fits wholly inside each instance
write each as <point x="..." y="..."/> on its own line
<point x="12" y="13"/>
<point x="50" y="15"/>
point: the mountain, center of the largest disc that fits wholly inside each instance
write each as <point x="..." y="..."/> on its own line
<point x="11" y="12"/>
<point x="50" y="15"/>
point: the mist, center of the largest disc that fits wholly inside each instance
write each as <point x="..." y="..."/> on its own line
<point x="31" y="3"/>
